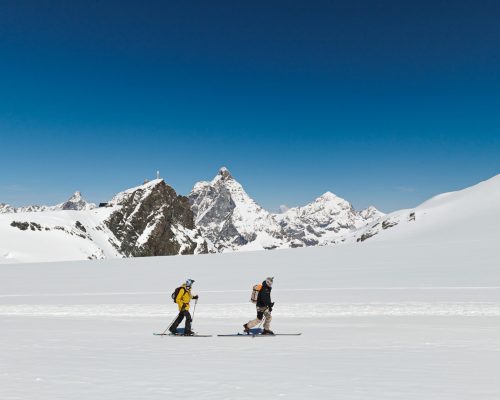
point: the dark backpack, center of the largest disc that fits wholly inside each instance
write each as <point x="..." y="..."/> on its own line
<point x="176" y="293"/>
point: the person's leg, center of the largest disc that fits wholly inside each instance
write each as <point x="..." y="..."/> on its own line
<point x="187" y="327"/>
<point x="180" y="317"/>
<point x="256" y="321"/>
<point x="267" y="323"/>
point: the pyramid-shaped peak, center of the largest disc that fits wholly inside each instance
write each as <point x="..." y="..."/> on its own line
<point x="328" y="196"/>
<point x="76" y="196"/>
<point x="76" y="202"/>
<point x="224" y="173"/>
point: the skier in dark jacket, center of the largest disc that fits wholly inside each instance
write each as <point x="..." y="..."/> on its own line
<point x="264" y="308"/>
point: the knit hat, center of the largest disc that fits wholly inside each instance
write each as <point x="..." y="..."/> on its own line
<point x="269" y="281"/>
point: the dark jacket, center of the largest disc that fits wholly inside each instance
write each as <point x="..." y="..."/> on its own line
<point x="264" y="298"/>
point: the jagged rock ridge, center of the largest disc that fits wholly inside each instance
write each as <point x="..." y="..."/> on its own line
<point x="230" y="220"/>
<point x="152" y="220"/>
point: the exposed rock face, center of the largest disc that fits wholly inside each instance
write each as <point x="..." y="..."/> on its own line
<point x="152" y="220"/>
<point x="229" y="218"/>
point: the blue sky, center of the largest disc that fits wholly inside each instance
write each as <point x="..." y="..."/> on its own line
<point x="383" y="103"/>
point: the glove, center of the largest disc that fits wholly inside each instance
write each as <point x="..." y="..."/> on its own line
<point x="270" y="308"/>
<point x="195" y="297"/>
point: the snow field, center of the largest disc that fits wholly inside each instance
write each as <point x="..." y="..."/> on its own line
<point x="403" y="320"/>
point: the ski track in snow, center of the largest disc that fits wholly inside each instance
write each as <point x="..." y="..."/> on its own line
<point x="244" y="310"/>
<point x="364" y="288"/>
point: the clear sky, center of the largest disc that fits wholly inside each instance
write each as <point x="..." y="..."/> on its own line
<point x="381" y="102"/>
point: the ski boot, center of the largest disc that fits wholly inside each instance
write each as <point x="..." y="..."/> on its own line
<point x="246" y="329"/>
<point x="173" y="331"/>
<point x="267" y="332"/>
<point x="188" y="333"/>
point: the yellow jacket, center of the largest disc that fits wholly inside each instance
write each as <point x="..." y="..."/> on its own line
<point x="183" y="298"/>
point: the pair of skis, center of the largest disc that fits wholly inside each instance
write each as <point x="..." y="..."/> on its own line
<point x="181" y="335"/>
<point x="253" y="333"/>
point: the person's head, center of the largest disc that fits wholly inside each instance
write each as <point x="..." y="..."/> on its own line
<point x="189" y="283"/>
<point x="269" y="281"/>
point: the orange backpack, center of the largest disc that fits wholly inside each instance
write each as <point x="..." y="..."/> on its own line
<point x="255" y="292"/>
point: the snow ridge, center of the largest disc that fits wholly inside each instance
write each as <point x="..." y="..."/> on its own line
<point x="76" y="202"/>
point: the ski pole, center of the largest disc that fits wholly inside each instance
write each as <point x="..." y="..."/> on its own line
<point x="168" y="327"/>
<point x="194" y="309"/>
<point x="261" y="322"/>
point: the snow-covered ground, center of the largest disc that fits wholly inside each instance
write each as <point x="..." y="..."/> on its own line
<point x="411" y="313"/>
<point x="380" y="320"/>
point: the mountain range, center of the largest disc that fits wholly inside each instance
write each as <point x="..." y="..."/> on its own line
<point x="216" y="216"/>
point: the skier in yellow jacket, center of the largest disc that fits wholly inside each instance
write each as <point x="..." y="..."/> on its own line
<point x="182" y="299"/>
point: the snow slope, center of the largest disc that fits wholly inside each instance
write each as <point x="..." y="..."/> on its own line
<point x="56" y="235"/>
<point x="150" y="219"/>
<point x="471" y="214"/>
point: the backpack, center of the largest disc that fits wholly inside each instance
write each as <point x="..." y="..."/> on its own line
<point x="176" y="293"/>
<point x="255" y="293"/>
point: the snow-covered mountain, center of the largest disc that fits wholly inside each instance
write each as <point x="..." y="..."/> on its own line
<point x="324" y="220"/>
<point x="75" y="202"/>
<point x="229" y="219"/>
<point x="232" y="220"/>
<point x="151" y="219"/>
<point x="472" y="213"/>
<point x="147" y="220"/>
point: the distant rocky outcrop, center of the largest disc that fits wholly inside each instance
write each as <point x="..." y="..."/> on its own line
<point x="152" y="220"/>
<point x="75" y="202"/>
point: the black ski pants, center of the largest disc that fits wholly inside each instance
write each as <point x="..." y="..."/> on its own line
<point x="180" y="317"/>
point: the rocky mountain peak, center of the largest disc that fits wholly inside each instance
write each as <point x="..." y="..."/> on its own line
<point x="228" y="217"/>
<point x="76" y="202"/>
<point x="76" y="196"/>
<point x="153" y="220"/>
<point x="223" y="174"/>
<point x="371" y="213"/>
